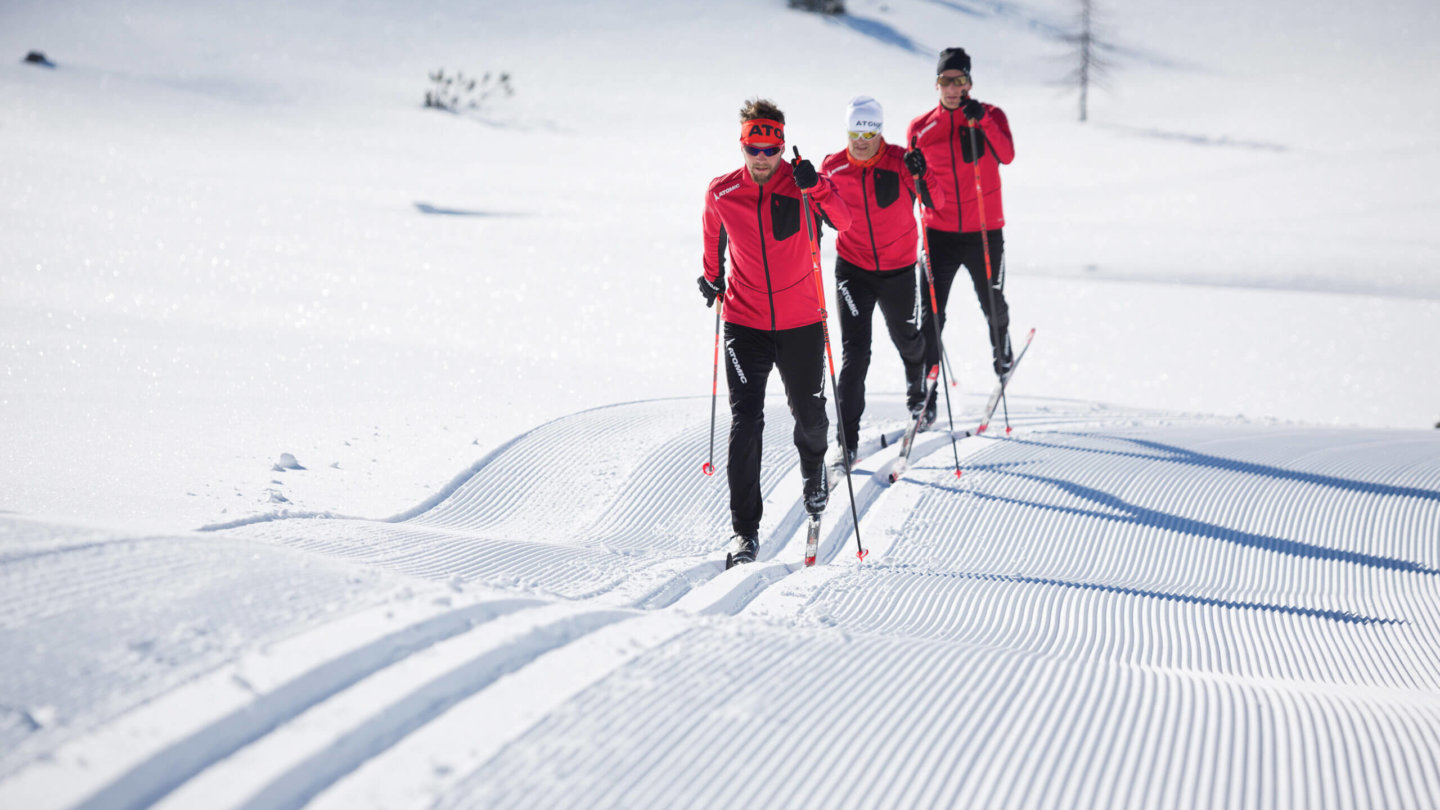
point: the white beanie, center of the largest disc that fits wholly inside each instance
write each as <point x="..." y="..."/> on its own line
<point x="864" y="115"/>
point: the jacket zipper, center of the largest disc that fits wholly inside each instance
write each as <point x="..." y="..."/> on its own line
<point x="955" y="175"/>
<point x="764" y="257"/>
<point x="865" y="195"/>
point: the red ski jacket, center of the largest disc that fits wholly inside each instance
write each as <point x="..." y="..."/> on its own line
<point x="883" y="235"/>
<point x="945" y="140"/>
<point x="770" y="283"/>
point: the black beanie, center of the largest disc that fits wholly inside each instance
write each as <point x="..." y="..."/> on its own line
<point x="953" y="59"/>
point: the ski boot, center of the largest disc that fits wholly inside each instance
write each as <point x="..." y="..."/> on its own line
<point x="742" y="550"/>
<point x="817" y="491"/>
<point x="914" y="390"/>
<point x="840" y="460"/>
<point x="927" y="419"/>
<point x="1004" y="361"/>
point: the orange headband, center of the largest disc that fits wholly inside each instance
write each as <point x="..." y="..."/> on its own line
<point x="762" y="131"/>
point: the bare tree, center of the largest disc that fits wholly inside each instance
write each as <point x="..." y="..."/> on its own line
<point x="1091" y="67"/>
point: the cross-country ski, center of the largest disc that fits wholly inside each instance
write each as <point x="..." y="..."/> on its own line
<point x="907" y="444"/>
<point x="812" y="539"/>
<point x="999" y="391"/>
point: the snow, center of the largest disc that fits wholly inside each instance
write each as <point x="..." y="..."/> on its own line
<point x="352" y="450"/>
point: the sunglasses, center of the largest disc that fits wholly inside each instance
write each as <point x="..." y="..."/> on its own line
<point x="865" y="136"/>
<point x="952" y="81"/>
<point x="767" y="151"/>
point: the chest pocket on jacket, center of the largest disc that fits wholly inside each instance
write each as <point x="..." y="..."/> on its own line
<point x="887" y="187"/>
<point x="784" y="216"/>
<point x="965" y="145"/>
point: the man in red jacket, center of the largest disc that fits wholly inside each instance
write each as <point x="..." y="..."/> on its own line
<point x="876" y="261"/>
<point x="945" y="134"/>
<point x="771" y="310"/>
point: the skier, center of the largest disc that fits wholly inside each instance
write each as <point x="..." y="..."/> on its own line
<point x="945" y="135"/>
<point x="876" y="260"/>
<point x="772" y="312"/>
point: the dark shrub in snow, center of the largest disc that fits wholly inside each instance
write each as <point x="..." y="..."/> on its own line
<point x="457" y="92"/>
<point x="819" y="6"/>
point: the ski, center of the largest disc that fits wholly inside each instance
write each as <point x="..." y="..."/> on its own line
<point x="812" y="540"/>
<point x="908" y="443"/>
<point x="999" y="391"/>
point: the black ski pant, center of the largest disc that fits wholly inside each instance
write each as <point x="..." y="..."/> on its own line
<point x="750" y="354"/>
<point x="857" y="291"/>
<point x="948" y="251"/>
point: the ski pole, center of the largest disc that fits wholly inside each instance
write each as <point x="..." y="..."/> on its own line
<point x="945" y="358"/>
<point x="935" y="309"/>
<point x="709" y="467"/>
<point x="830" y="355"/>
<point x="985" y="245"/>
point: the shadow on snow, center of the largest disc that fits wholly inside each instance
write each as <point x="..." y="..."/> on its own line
<point x="1319" y="613"/>
<point x="1180" y="455"/>
<point x="884" y="32"/>
<point x="1058" y="28"/>
<point x="427" y="208"/>
<point x="1125" y="512"/>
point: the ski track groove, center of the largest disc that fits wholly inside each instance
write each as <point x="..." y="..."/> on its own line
<point x="1059" y="627"/>
<point x="307" y="778"/>
<point x="168" y="769"/>
<point x="139" y="647"/>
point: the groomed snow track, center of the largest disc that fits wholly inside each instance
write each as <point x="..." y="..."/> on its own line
<point x="1108" y="609"/>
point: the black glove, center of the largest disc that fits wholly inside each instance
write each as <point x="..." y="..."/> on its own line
<point x="805" y="176"/>
<point x="974" y="110"/>
<point x="915" y="162"/>
<point x="711" y="291"/>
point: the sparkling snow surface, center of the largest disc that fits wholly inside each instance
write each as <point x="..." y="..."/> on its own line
<point x="351" y="451"/>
